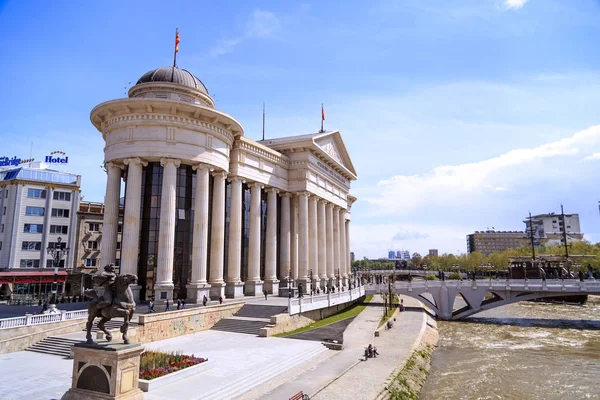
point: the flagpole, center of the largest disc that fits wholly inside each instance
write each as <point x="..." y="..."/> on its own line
<point x="263" y="136"/>
<point x="174" y="55"/>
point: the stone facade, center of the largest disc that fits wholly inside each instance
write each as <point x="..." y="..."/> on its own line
<point x="209" y="212"/>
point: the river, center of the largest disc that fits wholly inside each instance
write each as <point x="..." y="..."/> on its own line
<point x="520" y="351"/>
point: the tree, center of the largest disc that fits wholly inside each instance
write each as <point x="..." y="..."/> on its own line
<point x="415" y="261"/>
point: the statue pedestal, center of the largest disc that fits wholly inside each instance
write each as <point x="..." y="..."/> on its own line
<point x="106" y="371"/>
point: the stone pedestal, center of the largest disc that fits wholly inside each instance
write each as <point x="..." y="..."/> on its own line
<point x="217" y="290"/>
<point x="105" y="372"/>
<point x="162" y="293"/>
<point x="272" y="287"/>
<point x="197" y="291"/>
<point x="234" y="290"/>
<point x="285" y="291"/>
<point x="135" y="289"/>
<point x="254" y="288"/>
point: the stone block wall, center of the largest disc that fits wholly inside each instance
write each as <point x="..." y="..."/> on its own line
<point x="18" y="339"/>
<point x="282" y="323"/>
<point x="159" y="326"/>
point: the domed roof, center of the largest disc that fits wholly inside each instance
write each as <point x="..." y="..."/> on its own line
<point x="173" y="75"/>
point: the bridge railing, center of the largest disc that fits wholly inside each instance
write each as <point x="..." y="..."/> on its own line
<point x="309" y="303"/>
<point x="550" y="285"/>
<point x="16" y="322"/>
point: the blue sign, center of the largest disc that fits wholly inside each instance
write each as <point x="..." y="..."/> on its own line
<point x="6" y="162"/>
<point x="55" y="158"/>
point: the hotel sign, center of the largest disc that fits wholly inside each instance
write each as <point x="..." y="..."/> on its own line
<point x="11" y="162"/>
<point x="333" y="174"/>
<point x="56" y="157"/>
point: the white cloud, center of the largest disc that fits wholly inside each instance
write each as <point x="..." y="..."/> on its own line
<point x="514" y="4"/>
<point x="262" y="24"/>
<point x="591" y="157"/>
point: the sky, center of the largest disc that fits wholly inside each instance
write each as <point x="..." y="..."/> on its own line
<point x="459" y="115"/>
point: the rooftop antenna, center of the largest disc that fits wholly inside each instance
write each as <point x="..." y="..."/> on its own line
<point x="263" y="136"/>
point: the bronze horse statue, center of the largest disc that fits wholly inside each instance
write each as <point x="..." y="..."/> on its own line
<point x="121" y="306"/>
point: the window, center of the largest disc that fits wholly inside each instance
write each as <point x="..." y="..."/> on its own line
<point x="39" y="211"/>
<point x="2" y="228"/>
<point x="54" y="245"/>
<point x="118" y="245"/>
<point x="30" y="246"/>
<point x="33" y="228"/>
<point x="59" y="229"/>
<point x="50" y="264"/>
<point x="4" y="212"/>
<point x="66" y="196"/>
<point x="0" y="246"/>
<point x="120" y="228"/>
<point x="30" y="263"/>
<point x="91" y="262"/>
<point x="94" y="226"/>
<point x="36" y="193"/>
<point x="60" y="212"/>
<point x="92" y="245"/>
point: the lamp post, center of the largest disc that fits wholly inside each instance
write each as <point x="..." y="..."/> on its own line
<point x="310" y="271"/>
<point x="58" y="253"/>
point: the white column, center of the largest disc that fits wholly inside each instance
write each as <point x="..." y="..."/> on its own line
<point x="336" y="245"/>
<point x="110" y="222"/>
<point x="217" y="236"/>
<point x="303" y="241"/>
<point x="347" y="230"/>
<point x="322" y="225"/>
<point x="131" y="220"/>
<point x="254" y="286"/>
<point x="271" y="282"/>
<point x="294" y="238"/>
<point x="343" y="266"/>
<point x="198" y="286"/>
<point x="46" y="226"/>
<point x="313" y="243"/>
<point x="163" y="289"/>
<point x="235" y="286"/>
<point x="329" y="243"/>
<point x="285" y="240"/>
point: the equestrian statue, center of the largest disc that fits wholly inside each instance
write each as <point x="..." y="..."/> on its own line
<point x="112" y="297"/>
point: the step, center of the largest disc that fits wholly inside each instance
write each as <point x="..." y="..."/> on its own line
<point x="65" y="354"/>
<point x="54" y="345"/>
<point x="251" y="380"/>
<point x="259" y="311"/>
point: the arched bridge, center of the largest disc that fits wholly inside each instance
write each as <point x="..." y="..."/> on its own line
<point x="481" y="295"/>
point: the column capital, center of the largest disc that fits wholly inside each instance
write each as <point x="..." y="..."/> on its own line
<point x="256" y="184"/>
<point x="307" y="194"/>
<point x="202" y="166"/>
<point x="134" y="160"/>
<point x="323" y="201"/>
<point x="236" y="179"/>
<point x="221" y="174"/>
<point x="113" y="164"/>
<point x="272" y="189"/>
<point x="286" y="194"/>
<point x="175" y="161"/>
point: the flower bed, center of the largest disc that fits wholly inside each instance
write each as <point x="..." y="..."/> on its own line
<point x="154" y="364"/>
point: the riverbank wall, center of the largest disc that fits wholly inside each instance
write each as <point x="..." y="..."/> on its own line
<point x="408" y="378"/>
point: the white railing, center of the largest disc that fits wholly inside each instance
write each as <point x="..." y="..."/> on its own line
<point x="7" y="323"/>
<point x="309" y="303"/>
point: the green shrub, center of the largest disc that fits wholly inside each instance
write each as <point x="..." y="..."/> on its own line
<point x="454" y="276"/>
<point x="430" y="277"/>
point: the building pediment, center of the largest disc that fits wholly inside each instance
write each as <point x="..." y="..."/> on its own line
<point x="328" y="146"/>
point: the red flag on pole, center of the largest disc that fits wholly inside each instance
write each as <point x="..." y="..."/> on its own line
<point x="322" y="113"/>
<point x="177" y="41"/>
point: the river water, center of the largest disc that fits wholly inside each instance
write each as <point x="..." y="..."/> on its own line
<point x="520" y="351"/>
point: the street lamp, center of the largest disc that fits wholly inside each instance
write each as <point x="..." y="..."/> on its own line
<point x="58" y="253"/>
<point x="310" y="271"/>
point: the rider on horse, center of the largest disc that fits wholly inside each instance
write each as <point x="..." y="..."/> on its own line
<point x="106" y="279"/>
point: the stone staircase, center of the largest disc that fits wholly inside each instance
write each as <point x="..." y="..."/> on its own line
<point x="54" y="345"/>
<point x="113" y="324"/>
<point x="249" y="319"/>
<point x="252" y="379"/>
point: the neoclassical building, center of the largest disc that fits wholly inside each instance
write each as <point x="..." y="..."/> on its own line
<point x="210" y="212"/>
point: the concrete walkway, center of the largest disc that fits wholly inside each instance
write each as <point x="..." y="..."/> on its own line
<point x="356" y="337"/>
<point x="367" y="379"/>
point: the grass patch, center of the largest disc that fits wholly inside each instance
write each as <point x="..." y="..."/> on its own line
<point x="388" y="315"/>
<point x="350" y="312"/>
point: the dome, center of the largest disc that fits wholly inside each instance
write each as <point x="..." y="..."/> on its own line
<point x="173" y="75"/>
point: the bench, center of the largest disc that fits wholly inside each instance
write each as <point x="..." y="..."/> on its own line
<point x="300" y="396"/>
